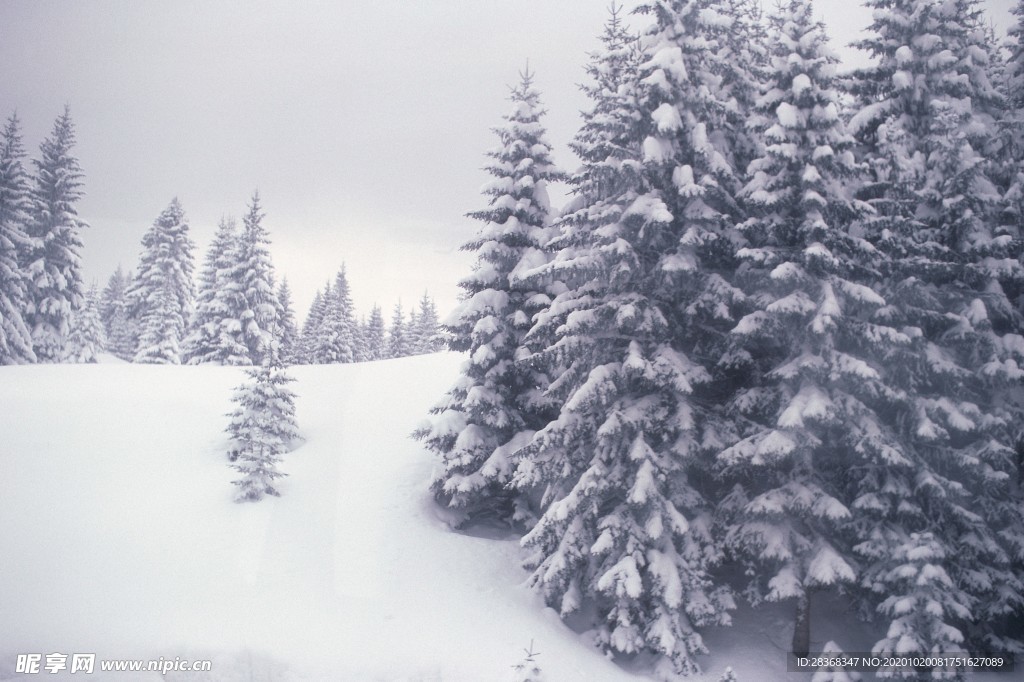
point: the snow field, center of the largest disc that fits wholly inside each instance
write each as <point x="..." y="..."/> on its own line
<point x="121" y="538"/>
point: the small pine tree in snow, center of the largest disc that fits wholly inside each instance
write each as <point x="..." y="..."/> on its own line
<point x="528" y="670"/>
<point x="262" y="428"/>
<point x="203" y="343"/>
<point x="53" y="265"/>
<point x="922" y="606"/>
<point x="87" y="339"/>
<point x="120" y="328"/>
<point x="495" y="405"/>
<point x="161" y="295"/>
<point x="15" y="207"/>
<point x="728" y="675"/>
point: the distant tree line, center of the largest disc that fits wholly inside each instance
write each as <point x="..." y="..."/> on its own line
<point x="236" y="313"/>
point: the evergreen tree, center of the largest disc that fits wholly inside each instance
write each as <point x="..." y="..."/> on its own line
<point x="360" y="341"/>
<point x="645" y="253"/>
<point x="335" y="336"/>
<point x="15" y="207"/>
<point x="262" y="428"/>
<point x="288" y="329"/>
<point x="53" y="265"/>
<point x="426" y="331"/>
<point x="495" y="406"/>
<point x="161" y="296"/>
<point x="921" y="602"/>
<point x="811" y="391"/>
<point x="528" y="669"/>
<point x="1011" y="159"/>
<point x="119" y="327"/>
<point x="926" y="117"/>
<point x="398" y="343"/>
<point x="375" y="335"/>
<point x="87" y="339"/>
<point x="211" y="317"/>
<point x="307" y="339"/>
<point x="248" y="295"/>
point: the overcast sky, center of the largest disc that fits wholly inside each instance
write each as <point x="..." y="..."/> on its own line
<point x="362" y="124"/>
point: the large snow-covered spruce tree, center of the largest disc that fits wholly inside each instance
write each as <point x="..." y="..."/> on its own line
<point x="926" y="116"/>
<point x="15" y="216"/>
<point x="53" y="265"/>
<point x="812" y="400"/>
<point x="496" y="404"/>
<point x="646" y="253"/>
<point x="161" y="295"/>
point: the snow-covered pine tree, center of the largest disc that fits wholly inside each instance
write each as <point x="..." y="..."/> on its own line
<point x="809" y="389"/>
<point x="927" y="114"/>
<point x="921" y="603"/>
<point x="426" y="331"/>
<point x="87" y="338"/>
<point x="1011" y="159"/>
<point x="15" y="217"/>
<point x="494" y="407"/>
<point x="528" y="669"/>
<point x="287" y="329"/>
<point x="304" y="354"/>
<point x="398" y="341"/>
<point x="262" y="428"/>
<point x="248" y="295"/>
<point x="203" y="343"/>
<point x="728" y="675"/>
<point x="375" y="335"/>
<point x="161" y="295"/>
<point x="120" y="329"/>
<point x="53" y="264"/>
<point x="335" y="338"/>
<point x="646" y="251"/>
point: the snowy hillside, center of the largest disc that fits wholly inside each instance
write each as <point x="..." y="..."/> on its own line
<point x="120" y="536"/>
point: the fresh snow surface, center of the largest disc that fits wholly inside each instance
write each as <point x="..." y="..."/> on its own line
<point x="120" y="538"/>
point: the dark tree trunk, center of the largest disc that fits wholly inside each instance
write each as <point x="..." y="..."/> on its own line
<point x="802" y="625"/>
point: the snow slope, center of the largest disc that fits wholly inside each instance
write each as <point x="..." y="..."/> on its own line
<point x="119" y="537"/>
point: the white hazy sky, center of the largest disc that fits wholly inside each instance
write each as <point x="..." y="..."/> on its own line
<point x="363" y="124"/>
